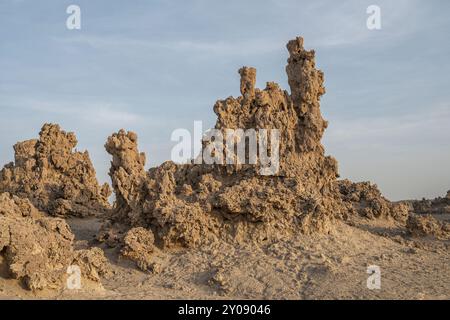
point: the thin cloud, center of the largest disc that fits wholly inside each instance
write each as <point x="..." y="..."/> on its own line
<point x="346" y="23"/>
<point x="96" y="113"/>
<point x="207" y="47"/>
<point x="408" y="129"/>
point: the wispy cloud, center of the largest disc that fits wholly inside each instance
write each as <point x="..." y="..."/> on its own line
<point x="425" y="127"/>
<point x="345" y="24"/>
<point x="95" y="113"/>
<point x="325" y="23"/>
<point x="218" y="48"/>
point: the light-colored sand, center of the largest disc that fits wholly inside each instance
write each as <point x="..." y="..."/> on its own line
<point x="330" y="266"/>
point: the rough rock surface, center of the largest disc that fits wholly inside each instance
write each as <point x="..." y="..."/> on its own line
<point x="56" y="179"/>
<point x="138" y="247"/>
<point x="193" y="203"/>
<point x="93" y="263"/>
<point x="440" y="205"/>
<point x="422" y="226"/>
<point x="37" y="249"/>
<point x="365" y="199"/>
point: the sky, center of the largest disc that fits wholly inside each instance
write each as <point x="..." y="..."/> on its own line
<point x="155" y="66"/>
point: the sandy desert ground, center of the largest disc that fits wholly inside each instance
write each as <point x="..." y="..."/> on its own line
<point x="329" y="266"/>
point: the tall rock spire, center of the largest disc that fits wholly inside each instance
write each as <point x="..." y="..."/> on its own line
<point x="306" y="83"/>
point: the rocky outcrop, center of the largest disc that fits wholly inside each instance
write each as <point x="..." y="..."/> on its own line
<point x="56" y="179"/>
<point x="423" y="226"/>
<point x="127" y="174"/>
<point x="38" y="249"/>
<point x="440" y="205"/>
<point x="92" y="263"/>
<point x="193" y="203"/>
<point x="365" y="199"/>
<point x="138" y="246"/>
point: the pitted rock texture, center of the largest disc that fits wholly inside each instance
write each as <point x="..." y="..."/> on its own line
<point x="422" y="226"/>
<point x="93" y="264"/>
<point x="440" y="205"/>
<point x="364" y="199"/>
<point x="54" y="177"/>
<point x="38" y="249"/>
<point x="231" y="213"/>
<point x="139" y="247"/>
<point x="127" y="173"/>
<point x="195" y="203"/>
<point x="306" y="84"/>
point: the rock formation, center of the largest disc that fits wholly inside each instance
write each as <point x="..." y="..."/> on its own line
<point x="440" y="205"/>
<point x="48" y="178"/>
<point x="193" y="203"/>
<point x="38" y="249"/>
<point x="56" y="179"/>
<point x="364" y="199"/>
<point x="139" y="247"/>
<point x="423" y="226"/>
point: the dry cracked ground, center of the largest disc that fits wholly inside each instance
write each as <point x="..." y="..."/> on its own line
<point x="198" y="231"/>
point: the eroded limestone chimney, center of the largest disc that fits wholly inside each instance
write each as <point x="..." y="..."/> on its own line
<point x="248" y="82"/>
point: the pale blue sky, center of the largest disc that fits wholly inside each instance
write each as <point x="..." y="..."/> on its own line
<point x="154" y="66"/>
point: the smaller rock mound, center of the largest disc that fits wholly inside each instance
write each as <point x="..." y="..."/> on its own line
<point x="93" y="263"/>
<point x="138" y="247"/>
<point x="365" y="199"/>
<point x="440" y="205"/>
<point x="56" y="179"/>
